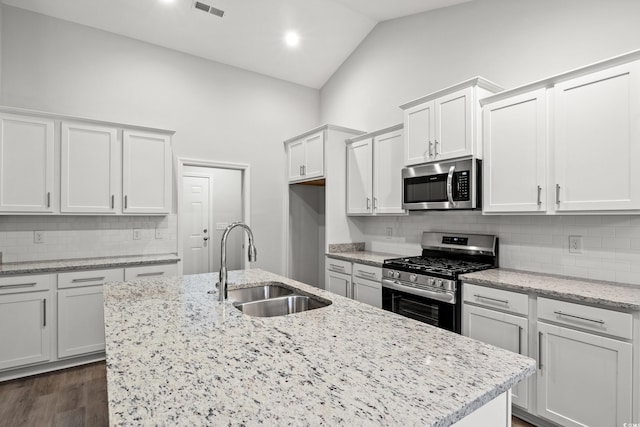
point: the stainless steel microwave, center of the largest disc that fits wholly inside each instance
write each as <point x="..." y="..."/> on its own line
<point x="450" y="184"/>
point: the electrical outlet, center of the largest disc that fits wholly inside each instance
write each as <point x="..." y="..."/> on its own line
<point x="38" y="237"/>
<point x="575" y="244"/>
<point x="137" y="234"/>
<point x="389" y="232"/>
<point x="158" y="233"/>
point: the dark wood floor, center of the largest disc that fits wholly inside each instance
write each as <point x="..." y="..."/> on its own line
<point x="69" y="398"/>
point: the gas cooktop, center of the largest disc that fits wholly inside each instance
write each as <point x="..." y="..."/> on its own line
<point x="435" y="266"/>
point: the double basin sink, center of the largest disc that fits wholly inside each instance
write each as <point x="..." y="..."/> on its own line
<point x="272" y="299"/>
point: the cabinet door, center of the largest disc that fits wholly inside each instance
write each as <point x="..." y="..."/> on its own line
<point x="514" y="162"/>
<point x="146" y="175"/>
<point x="314" y="157"/>
<point x="338" y="283"/>
<point x="597" y="140"/>
<point x="583" y="379"/>
<point x="367" y="291"/>
<point x="501" y="330"/>
<point x="387" y="173"/>
<point x="419" y="133"/>
<point x="296" y="154"/>
<point x="454" y="125"/>
<point x="360" y="177"/>
<point x="80" y="321"/>
<point x="26" y="164"/>
<point x="24" y="329"/>
<point x="89" y="168"/>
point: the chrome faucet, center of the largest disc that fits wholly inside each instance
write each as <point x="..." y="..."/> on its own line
<point x="222" y="288"/>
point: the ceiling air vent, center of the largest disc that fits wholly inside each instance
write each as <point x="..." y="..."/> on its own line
<point x="208" y="9"/>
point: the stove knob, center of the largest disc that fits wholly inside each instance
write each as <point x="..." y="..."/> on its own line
<point x="396" y="274"/>
<point x="390" y="273"/>
<point x="431" y="282"/>
<point x="439" y="283"/>
<point x="413" y="278"/>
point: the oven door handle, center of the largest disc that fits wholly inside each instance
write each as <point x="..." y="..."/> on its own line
<point x="434" y="295"/>
<point x="450" y="186"/>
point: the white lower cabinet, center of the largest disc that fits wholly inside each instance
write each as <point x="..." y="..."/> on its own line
<point x="338" y="283"/>
<point x="367" y="291"/>
<point x="25" y="329"/>
<point x="80" y="321"/>
<point x="356" y="281"/>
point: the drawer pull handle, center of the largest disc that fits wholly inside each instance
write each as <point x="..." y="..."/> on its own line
<point x="18" y="285"/>
<point x="87" y="279"/>
<point x="503" y="301"/>
<point x="560" y="313"/>
<point x="367" y="273"/>
<point x="337" y="267"/>
<point x="155" y="273"/>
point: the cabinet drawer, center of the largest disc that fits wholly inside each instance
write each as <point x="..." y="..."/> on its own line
<point x="132" y="273"/>
<point x="586" y="317"/>
<point x="338" y="265"/>
<point x="513" y="302"/>
<point x="367" y="272"/>
<point x="89" y="278"/>
<point x="18" y="284"/>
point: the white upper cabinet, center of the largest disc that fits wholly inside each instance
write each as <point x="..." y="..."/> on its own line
<point x="374" y="173"/>
<point x="444" y="125"/>
<point x="306" y="158"/>
<point x="597" y="140"/>
<point x="89" y="168"/>
<point x="26" y="164"/>
<point x="146" y="174"/>
<point x="514" y="165"/>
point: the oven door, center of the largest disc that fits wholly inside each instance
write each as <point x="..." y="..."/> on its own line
<point x="437" y="313"/>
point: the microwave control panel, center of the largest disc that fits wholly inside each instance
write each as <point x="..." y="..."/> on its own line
<point x="461" y="185"/>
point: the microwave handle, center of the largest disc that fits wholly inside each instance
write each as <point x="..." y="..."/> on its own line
<point x="450" y="185"/>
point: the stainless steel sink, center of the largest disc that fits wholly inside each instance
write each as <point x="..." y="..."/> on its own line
<point x="261" y="291"/>
<point x="281" y="306"/>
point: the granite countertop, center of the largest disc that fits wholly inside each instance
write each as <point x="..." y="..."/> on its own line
<point x="374" y="259"/>
<point x="55" y="266"/>
<point x="585" y="291"/>
<point x="177" y="356"/>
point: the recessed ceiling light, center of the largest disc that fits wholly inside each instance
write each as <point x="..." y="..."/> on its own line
<point x="167" y="1"/>
<point x="292" y="39"/>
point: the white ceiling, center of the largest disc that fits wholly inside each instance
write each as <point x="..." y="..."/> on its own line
<point x="250" y="35"/>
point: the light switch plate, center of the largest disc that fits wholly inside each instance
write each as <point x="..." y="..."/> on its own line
<point x="389" y="232"/>
<point x="575" y="244"/>
<point x="38" y="237"/>
<point x="158" y="233"/>
<point x="137" y="234"/>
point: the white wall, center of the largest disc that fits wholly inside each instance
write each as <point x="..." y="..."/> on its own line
<point x="510" y="42"/>
<point x="219" y="113"/>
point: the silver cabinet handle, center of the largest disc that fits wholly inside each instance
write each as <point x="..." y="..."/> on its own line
<point x="557" y="194"/>
<point x="18" y="285"/>
<point x="367" y="273"/>
<point x="113" y="201"/>
<point x="368" y="203"/>
<point x="155" y="273"/>
<point x="88" y="279"/>
<point x="375" y="203"/>
<point x="430" y="145"/>
<point x="450" y="184"/>
<point x="539" y="195"/>
<point x="435" y="148"/>
<point x="44" y="313"/>
<point x="125" y="202"/>
<point x="540" y="351"/>
<point x="337" y="267"/>
<point x="519" y="339"/>
<point x="560" y="313"/>
<point x="503" y="301"/>
<point x="304" y="169"/>
<point x="48" y="199"/>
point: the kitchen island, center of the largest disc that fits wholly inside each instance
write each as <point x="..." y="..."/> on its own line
<point x="177" y="356"/>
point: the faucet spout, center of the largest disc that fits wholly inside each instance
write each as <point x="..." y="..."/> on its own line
<point x="252" y="254"/>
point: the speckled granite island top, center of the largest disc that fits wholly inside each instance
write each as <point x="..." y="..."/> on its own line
<point x="55" y="266"/>
<point x="600" y="293"/>
<point x="176" y="356"/>
<point x="375" y="259"/>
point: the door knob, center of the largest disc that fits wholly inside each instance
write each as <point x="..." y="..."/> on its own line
<point x="204" y="231"/>
<point x="205" y="238"/>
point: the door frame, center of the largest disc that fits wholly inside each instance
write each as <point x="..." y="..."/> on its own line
<point x="246" y="195"/>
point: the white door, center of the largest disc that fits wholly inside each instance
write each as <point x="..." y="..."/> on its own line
<point x="80" y="321"/>
<point x="24" y="329"/>
<point x="296" y="158"/>
<point x="367" y="291"/>
<point x="146" y="175"/>
<point x="501" y="330"/>
<point x="89" y="169"/>
<point x="26" y="164"/>
<point x="514" y="163"/>
<point x="597" y="140"/>
<point x="454" y="130"/>
<point x="314" y="158"/>
<point x="360" y="177"/>
<point x="419" y="136"/>
<point x="195" y="224"/>
<point x="338" y="283"/>
<point x="583" y="379"/>
<point x="387" y="173"/>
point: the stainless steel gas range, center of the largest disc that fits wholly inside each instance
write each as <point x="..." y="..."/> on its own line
<point x="427" y="287"/>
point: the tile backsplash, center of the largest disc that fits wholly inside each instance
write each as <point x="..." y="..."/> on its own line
<point x="611" y="243"/>
<point x="66" y="237"/>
